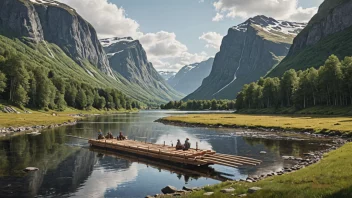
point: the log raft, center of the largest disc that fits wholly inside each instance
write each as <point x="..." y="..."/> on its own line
<point x="194" y="157"/>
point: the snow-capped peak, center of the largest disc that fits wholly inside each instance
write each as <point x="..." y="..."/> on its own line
<point x="271" y="25"/>
<point x="109" y="41"/>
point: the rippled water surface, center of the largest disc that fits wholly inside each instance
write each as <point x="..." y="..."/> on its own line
<point x="68" y="167"/>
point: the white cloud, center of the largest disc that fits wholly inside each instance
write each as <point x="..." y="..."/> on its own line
<point x="279" y="9"/>
<point x="212" y="39"/>
<point x="109" y="20"/>
<point x="218" y="17"/>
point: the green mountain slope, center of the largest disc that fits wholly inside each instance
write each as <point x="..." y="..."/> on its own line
<point x="328" y="32"/>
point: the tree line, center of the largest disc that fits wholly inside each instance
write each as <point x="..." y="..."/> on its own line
<point x="330" y="85"/>
<point x="31" y="86"/>
<point x="200" y="105"/>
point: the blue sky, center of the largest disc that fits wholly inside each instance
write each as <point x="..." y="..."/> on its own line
<point x="175" y="33"/>
<point x="187" y="18"/>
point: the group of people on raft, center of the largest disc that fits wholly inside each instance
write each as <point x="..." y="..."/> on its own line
<point x="185" y="146"/>
<point x="110" y="136"/>
<point x="179" y="146"/>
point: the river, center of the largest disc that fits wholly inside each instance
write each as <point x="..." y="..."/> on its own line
<point x="68" y="167"/>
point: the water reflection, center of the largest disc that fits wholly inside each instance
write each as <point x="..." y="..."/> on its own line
<point x="69" y="168"/>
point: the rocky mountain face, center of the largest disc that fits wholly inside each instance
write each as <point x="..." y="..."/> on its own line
<point x="129" y="60"/>
<point x="53" y="22"/>
<point x="249" y="50"/>
<point x="328" y="32"/>
<point x="190" y="77"/>
<point x="167" y="74"/>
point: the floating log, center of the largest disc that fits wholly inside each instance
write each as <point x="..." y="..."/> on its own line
<point x="194" y="157"/>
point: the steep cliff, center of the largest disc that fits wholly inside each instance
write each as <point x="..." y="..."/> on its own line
<point x="167" y="74"/>
<point x="130" y="63"/>
<point x="249" y="51"/>
<point x="190" y="77"/>
<point x="53" y="22"/>
<point x="328" y="32"/>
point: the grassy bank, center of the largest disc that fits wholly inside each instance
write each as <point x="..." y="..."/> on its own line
<point x="331" y="177"/>
<point x="45" y="117"/>
<point x="318" y="124"/>
<point x="319" y="110"/>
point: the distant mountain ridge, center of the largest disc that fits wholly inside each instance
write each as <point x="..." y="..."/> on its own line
<point x="129" y="61"/>
<point x="190" y="77"/>
<point x="249" y="51"/>
<point x="328" y="32"/>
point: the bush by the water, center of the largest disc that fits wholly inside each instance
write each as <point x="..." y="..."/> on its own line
<point x="200" y="105"/>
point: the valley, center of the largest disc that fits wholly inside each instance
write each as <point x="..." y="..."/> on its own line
<point x="260" y="83"/>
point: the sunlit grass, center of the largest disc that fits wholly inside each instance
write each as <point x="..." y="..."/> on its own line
<point x="45" y="117"/>
<point x="293" y="122"/>
<point x="331" y="177"/>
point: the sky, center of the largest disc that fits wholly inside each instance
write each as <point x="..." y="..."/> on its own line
<point x="176" y="33"/>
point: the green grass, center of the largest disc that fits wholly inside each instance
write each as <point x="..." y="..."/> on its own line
<point x="331" y="177"/>
<point x="319" y="124"/>
<point x="275" y="36"/>
<point x="39" y="117"/>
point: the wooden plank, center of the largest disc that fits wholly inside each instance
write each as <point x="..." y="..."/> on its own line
<point x="223" y="164"/>
<point x="231" y="161"/>
<point x="250" y="162"/>
<point x="222" y="161"/>
<point x="235" y="156"/>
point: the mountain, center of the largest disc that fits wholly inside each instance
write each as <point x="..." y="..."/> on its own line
<point x="249" y="50"/>
<point x="190" y="77"/>
<point x="47" y="21"/>
<point x="167" y="74"/>
<point x="328" y="32"/>
<point x="139" y="78"/>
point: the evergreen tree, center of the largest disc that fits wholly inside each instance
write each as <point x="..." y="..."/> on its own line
<point x="81" y="99"/>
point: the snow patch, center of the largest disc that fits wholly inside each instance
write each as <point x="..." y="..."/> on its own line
<point x="271" y="25"/>
<point x="109" y="41"/>
<point x="51" y="2"/>
<point x="113" y="54"/>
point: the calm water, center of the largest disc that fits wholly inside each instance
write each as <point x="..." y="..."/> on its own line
<point x="69" y="168"/>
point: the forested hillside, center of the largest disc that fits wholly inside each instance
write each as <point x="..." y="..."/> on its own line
<point x="330" y="85"/>
<point x="29" y="77"/>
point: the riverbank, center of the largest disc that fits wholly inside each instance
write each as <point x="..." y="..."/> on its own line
<point x="38" y="120"/>
<point x="327" y="125"/>
<point x="328" y="178"/>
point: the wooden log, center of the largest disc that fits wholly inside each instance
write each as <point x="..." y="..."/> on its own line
<point x="235" y="156"/>
<point x="222" y="161"/>
<point x="231" y="160"/>
<point x="223" y="164"/>
<point x="250" y="162"/>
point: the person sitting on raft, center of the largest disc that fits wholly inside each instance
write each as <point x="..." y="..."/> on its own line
<point x="100" y="135"/>
<point x="187" y="145"/>
<point x="121" y="137"/>
<point x="179" y="146"/>
<point x="109" y="136"/>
